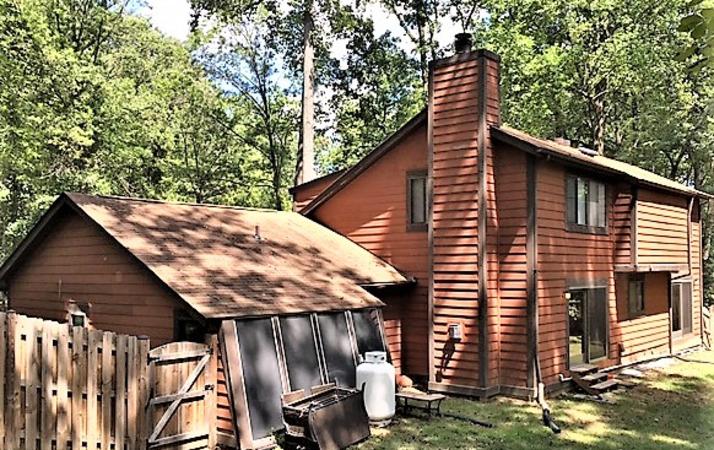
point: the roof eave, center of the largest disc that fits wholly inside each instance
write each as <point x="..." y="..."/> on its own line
<point x="528" y="147"/>
<point x="299" y="187"/>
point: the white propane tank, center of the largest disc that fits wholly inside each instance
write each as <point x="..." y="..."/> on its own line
<point x="376" y="376"/>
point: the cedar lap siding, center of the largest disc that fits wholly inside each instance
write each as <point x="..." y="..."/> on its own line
<point x="498" y="213"/>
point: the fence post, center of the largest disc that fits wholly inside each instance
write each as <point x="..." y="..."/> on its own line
<point x="12" y="385"/>
<point x="143" y="343"/>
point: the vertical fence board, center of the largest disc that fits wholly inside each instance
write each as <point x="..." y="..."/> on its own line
<point x="64" y="371"/>
<point x="95" y="341"/>
<point x="106" y="419"/>
<point x="12" y="411"/>
<point x="120" y="396"/>
<point x="79" y="384"/>
<point x="47" y="422"/>
<point x="132" y="392"/>
<point x="32" y="384"/>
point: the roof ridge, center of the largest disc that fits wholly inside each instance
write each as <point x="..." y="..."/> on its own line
<point x="175" y="202"/>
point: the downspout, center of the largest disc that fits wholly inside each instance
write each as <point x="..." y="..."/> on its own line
<point x="484" y="347"/>
<point x="532" y="306"/>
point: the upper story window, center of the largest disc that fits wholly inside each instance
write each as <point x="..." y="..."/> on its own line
<point x="416" y="200"/>
<point x="586" y="205"/>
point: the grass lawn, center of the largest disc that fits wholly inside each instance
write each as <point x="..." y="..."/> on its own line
<point x="672" y="408"/>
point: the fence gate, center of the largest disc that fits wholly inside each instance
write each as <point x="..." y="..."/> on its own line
<point x="182" y="405"/>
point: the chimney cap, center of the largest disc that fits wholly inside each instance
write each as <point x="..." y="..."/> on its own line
<point x="463" y="42"/>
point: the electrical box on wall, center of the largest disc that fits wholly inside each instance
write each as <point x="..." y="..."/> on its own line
<point x="455" y="331"/>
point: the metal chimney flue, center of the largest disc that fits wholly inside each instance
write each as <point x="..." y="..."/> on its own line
<point x="463" y="42"/>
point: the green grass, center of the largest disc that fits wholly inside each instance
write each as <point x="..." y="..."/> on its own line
<point x="672" y="408"/>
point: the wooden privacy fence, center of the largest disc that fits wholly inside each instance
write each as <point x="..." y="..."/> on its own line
<point x="73" y="388"/>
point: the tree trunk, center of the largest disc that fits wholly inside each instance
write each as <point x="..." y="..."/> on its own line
<point x="599" y="119"/>
<point x="306" y="145"/>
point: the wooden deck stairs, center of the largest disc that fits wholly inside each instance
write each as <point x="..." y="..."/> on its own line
<point x="590" y="379"/>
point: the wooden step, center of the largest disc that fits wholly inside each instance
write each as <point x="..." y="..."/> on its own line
<point x="595" y="378"/>
<point x="583" y="369"/>
<point x="627" y="383"/>
<point x="606" y="385"/>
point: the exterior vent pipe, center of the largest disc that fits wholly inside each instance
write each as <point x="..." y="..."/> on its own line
<point x="588" y="151"/>
<point x="463" y="43"/>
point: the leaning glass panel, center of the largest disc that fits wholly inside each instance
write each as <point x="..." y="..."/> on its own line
<point x="300" y="352"/>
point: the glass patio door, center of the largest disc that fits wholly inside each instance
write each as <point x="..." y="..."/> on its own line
<point x="587" y="325"/>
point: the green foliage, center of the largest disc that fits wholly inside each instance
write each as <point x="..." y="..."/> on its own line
<point x="699" y="24"/>
<point x="376" y="91"/>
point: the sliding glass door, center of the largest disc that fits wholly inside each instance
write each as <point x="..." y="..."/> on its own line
<point x="587" y="325"/>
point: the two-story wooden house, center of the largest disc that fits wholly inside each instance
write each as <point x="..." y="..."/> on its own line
<point x="524" y="250"/>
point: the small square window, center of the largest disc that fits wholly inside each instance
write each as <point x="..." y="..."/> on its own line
<point x="417" y="200"/>
<point x="636" y="296"/>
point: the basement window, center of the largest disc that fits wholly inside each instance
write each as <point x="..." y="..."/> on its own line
<point x="586" y="206"/>
<point x="636" y="296"/>
<point x="416" y="200"/>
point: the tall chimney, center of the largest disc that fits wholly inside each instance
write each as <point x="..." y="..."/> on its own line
<point x="463" y="103"/>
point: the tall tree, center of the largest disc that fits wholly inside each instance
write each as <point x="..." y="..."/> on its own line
<point x="243" y="59"/>
<point x="377" y="88"/>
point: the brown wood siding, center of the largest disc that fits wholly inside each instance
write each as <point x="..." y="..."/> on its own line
<point x="223" y="404"/>
<point x="302" y="195"/>
<point x="565" y="259"/>
<point x="455" y="175"/>
<point x="661" y="228"/>
<point x="648" y="334"/>
<point x="622" y="218"/>
<point x="76" y="261"/>
<point x="511" y="196"/>
<point x="371" y="211"/>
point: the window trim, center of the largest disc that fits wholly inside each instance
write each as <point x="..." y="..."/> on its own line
<point x="579" y="228"/>
<point x="412" y="175"/>
<point x="640" y="279"/>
